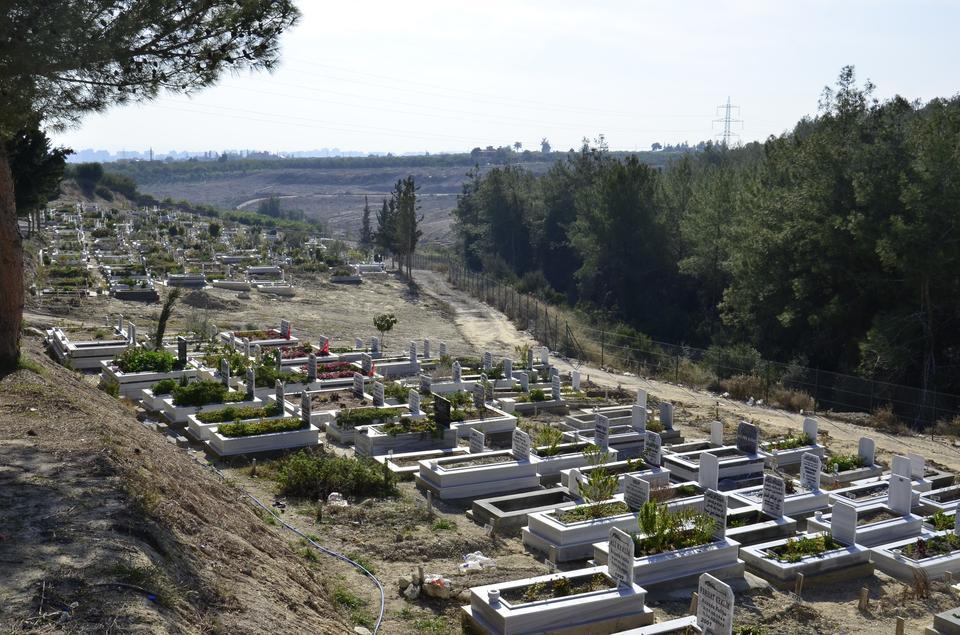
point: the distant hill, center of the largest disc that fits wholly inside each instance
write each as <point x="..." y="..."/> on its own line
<point x="333" y="189"/>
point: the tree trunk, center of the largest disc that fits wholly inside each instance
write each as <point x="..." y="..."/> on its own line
<point x="11" y="270"/>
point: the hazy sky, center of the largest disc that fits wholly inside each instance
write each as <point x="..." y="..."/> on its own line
<point x="449" y="75"/>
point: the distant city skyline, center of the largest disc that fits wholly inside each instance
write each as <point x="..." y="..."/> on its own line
<point x="378" y="77"/>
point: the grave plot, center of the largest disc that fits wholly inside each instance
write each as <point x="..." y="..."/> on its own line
<point x="84" y="349"/>
<point x="621" y="433"/>
<point x="176" y="402"/>
<point x="581" y="601"/>
<point x="738" y="465"/>
<point x="326" y="404"/>
<point x="595" y="600"/>
<point x="786" y="451"/>
<point x="264" y="338"/>
<point x="508" y="514"/>
<point x="264" y="432"/>
<point x="348" y="422"/>
<point x="763" y="522"/>
<point x="929" y="556"/>
<point x="481" y="474"/>
<point x="866" y="494"/>
<point x="569" y="533"/>
<point x="137" y="368"/>
<point x="879" y="523"/>
<point x="823" y="557"/>
<point x="942" y="499"/>
<point x="65" y="279"/>
<point x="573" y="478"/>
<point x="939" y="521"/>
<point x="554" y="458"/>
<point x="800" y="498"/>
<point x="406" y="465"/>
<point x="846" y="468"/>
<point x="674" y="548"/>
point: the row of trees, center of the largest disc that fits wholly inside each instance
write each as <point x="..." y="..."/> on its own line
<point x="836" y="244"/>
<point x="398" y="224"/>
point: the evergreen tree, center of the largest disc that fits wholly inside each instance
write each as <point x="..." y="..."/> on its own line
<point x="366" y="232"/>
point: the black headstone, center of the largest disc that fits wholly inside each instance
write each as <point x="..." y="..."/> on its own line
<point x="441" y="411"/>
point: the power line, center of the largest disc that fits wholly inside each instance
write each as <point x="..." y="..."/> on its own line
<point x="728" y="122"/>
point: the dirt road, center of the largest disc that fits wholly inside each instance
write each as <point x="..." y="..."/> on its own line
<point x="486" y="328"/>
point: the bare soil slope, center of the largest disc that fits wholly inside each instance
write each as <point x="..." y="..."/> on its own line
<point x="105" y="527"/>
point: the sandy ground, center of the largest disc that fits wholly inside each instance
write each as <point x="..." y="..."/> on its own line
<point x="396" y="536"/>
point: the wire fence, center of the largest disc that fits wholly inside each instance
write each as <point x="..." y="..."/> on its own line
<point x="715" y="369"/>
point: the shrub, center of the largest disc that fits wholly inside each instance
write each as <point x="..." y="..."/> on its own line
<point x="793" y="400"/>
<point x="727" y="361"/>
<point x="843" y="462"/>
<point x="252" y="428"/>
<point x="140" y="360"/>
<point x="164" y="386"/>
<point x="202" y="393"/>
<point x="314" y="476"/>
<point x="232" y="413"/>
<point x="886" y="420"/>
<point x="354" y="417"/>
<point x="744" y="386"/>
<point x="537" y="394"/>
<point x="694" y="374"/>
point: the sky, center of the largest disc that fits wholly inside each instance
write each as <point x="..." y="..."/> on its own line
<point x="449" y="75"/>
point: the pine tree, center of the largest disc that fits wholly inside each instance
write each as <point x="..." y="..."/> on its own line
<point x="366" y="233"/>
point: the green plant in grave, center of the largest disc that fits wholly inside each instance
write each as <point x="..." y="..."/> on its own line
<point x="601" y="485"/>
<point x="550" y="439"/>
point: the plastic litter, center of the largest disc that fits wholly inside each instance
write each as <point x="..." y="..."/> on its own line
<point x="476" y="561"/>
<point x="437" y="586"/>
<point x="336" y="499"/>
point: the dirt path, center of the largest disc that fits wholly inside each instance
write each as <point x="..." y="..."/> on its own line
<point x="485" y="328"/>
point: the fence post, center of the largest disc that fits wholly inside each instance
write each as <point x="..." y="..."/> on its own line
<point x="676" y="369"/>
<point x="766" y="388"/>
<point x="602" y="342"/>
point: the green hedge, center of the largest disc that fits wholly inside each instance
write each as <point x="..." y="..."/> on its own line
<point x="313" y="476"/>
<point x="202" y="393"/>
<point x="140" y="360"/>
<point x="232" y="413"/>
<point x="252" y="428"/>
<point x="164" y="386"/>
<point x="354" y="417"/>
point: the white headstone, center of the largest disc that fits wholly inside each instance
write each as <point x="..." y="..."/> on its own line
<point x="651" y="448"/>
<point x="213" y="331"/>
<point x="956" y="524"/>
<point x="278" y="392"/>
<point x="574" y="482"/>
<point x="479" y="395"/>
<point x="642" y="399"/>
<point x="251" y="383"/>
<point x="715" y="507"/>
<point x="575" y="379"/>
<point x="311" y="367"/>
<point x="477" y="441"/>
<point x="286" y="330"/>
<point x="413" y="353"/>
<point x="413" y="402"/>
<point x="601" y="434"/>
<point x="620" y="551"/>
<point x="709" y="475"/>
<point x="426" y="384"/>
<point x="232" y="343"/>
<point x="487" y="360"/>
<point x="810" y="429"/>
<point x="246" y="347"/>
<point x="357" y="343"/>
<point x="866" y="450"/>
<point x="917" y="466"/>
<point x="120" y="322"/>
<point x="520" y="445"/>
<point x="714" y="606"/>
<point x="366" y="363"/>
<point x="900" y="494"/>
<point x="716" y="433"/>
<point x="132" y="333"/>
<point x="507" y="368"/>
<point x="555" y="387"/>
<point x="358" y="385"/>
<point x="530" y="359"/>
<point x="258" y="352"/>
<point x="524" y="380"/>
<point x="843" y="523"/>
<point x="374" y="344"/>
<point x="774" y="491"/>
<point x="636" y="491"/>
<point x="225" y="371"/>
<point x="810" y="468"/>
<point x="457" y="372"/>
<point x="305" y="407"/>
<point x="638" y="418"/>
<point x="378" y="395"/>
<point x="748" y="437"/>
<point x="442" y="349"/>
<point x="544" y="355"/>
<point x="666" y="415"/>
<point x="426" y="348"/>
<point x="901" y="466"/>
